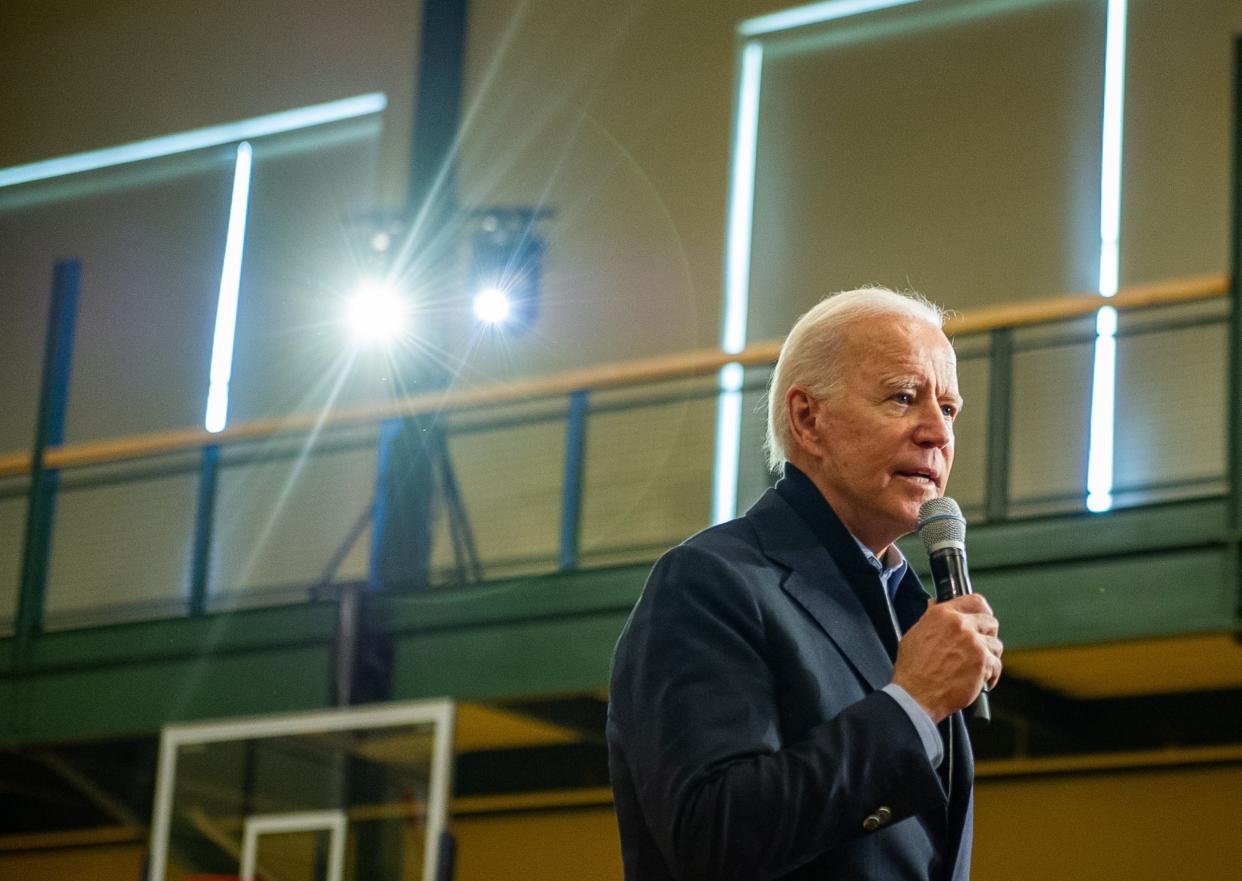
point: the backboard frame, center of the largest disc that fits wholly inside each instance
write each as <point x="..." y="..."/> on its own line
<point x="439" y="712"/>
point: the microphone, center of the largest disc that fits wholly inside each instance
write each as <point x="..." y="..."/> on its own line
<point x="942" y="529"/>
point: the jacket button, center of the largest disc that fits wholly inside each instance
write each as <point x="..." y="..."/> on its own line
<point x="880" y="818"/>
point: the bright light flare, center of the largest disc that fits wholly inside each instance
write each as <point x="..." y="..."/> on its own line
<point x="377" y="313"/>
<point x="491" y="305"/>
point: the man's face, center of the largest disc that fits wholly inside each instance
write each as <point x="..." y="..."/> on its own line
<point x="883" y="444"/>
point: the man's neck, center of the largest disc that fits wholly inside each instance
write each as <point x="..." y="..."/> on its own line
<point x="878" y="545"/>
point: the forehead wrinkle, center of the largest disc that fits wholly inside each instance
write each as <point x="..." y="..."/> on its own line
<point x="904" y="380"/>
<point x="880" y="353"/>
<point x="918" y="379"/>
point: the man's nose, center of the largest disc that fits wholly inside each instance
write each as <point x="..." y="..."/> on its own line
<point x="934" y="429"/>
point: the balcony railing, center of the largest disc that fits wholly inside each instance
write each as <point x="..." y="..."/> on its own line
<point x="592" y="467"/>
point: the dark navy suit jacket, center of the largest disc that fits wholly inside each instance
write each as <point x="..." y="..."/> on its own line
<point x="748" y="736"/>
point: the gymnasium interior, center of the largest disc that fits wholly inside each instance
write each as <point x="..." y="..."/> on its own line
<point x="361" y="358"/>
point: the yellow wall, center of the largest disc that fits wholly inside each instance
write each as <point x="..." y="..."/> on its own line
<point x="1148" y="825"/>
<point x="1153" y="824"/>
<point x="119" y="862"/>
<point x="539" y="846"/>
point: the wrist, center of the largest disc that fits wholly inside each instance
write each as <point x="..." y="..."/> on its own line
<point x="931" y="707"/>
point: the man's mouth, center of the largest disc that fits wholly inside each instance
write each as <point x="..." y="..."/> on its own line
<point x="926" y="476"/>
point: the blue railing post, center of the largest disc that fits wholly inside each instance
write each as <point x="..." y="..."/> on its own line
<point x="49" y="432"/>
<point x="571" y="492"/>
<point x="204" y="519"/>
<point x="1000" y="424"/>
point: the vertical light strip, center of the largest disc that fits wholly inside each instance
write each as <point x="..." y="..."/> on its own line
<point x="737" y="284"/>
<point x="728" y="443"/>
<point x="742" y="201"/>
<point x="1110" y="159"/>
<point x="230" y="284"/>
<point x="1103" y="384"/>
<point x="1100" y="458"/>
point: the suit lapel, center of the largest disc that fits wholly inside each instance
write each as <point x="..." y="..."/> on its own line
<point x="817" y="584"/>
<point x="835" y="608"/>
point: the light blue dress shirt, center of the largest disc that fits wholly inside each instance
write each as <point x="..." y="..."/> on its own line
<point x="890" y="576"/>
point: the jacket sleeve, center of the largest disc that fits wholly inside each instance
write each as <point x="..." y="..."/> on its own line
<point x="695" y="710"/>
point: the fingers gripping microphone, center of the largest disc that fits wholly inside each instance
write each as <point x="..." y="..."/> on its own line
<point x="943" y="531"/>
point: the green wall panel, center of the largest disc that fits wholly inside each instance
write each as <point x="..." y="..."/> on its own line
<point x="526" y="658"/>
<point x="503" y="602"/>
<point x="1070" y="603"/>
<point x="527" y="636"/>
<point x="243" y="630"/>
<point x="1123" y="598"/>
<point x="139" y="698"/>
<point x="1057" y="581"/>
<point x="1051" y="540"/>
<point x="132" y="678"/>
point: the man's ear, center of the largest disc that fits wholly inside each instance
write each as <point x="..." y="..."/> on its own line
<point x="805" y="419"/>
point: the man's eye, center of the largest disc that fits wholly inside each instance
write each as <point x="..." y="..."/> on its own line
<point x="949" y="410"/>
<point x="904" y="398"/>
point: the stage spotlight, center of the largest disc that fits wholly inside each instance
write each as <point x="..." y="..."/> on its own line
<point x="491" y="305"/>
<point x="507" y="266"/>
<point x="377" y="313"/>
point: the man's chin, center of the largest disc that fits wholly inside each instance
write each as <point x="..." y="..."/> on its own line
<point x="913" y="499"/>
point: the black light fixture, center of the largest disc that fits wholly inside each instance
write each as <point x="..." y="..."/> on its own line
<point x="507" y="265"/>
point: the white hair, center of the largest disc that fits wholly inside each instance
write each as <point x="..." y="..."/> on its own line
<point x="811" y="354"/>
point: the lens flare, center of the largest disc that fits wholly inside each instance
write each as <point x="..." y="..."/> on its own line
<point x="377" y="314"/>
<point x="492" y="305"/>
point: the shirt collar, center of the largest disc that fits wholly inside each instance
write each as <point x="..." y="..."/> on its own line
<point x="891" y="570"/>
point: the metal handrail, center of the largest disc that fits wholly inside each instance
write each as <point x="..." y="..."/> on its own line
<point x="602" y="376"/>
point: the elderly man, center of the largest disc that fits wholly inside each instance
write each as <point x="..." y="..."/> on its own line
<point x="784" y="699"/>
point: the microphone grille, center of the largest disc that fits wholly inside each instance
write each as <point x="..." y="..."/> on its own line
<point x="941" y="522"/>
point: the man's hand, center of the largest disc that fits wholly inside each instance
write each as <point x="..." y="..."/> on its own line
<point x="944" y="659"/>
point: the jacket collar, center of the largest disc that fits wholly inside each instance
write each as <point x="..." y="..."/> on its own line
<point x="861" y="577"/>
<point x="818" y="584"/>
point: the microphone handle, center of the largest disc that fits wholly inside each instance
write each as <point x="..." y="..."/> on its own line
<point x="952" y="579"/>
